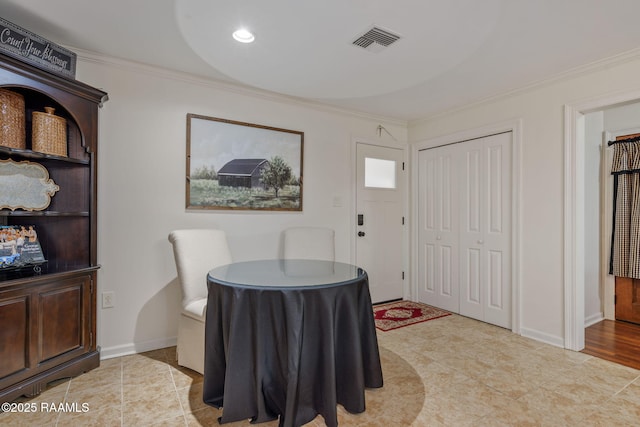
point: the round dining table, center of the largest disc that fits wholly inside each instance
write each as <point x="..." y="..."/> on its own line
<point x="288" y="340"/>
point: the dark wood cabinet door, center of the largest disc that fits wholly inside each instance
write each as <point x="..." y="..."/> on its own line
<point x="14" y="341"/>
<point x="46" y="327"/>
<point x="628" y="299"/>
<point x="62" y="318"/>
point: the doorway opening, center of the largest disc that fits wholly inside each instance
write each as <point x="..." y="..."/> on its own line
<point x="576" y="236"/>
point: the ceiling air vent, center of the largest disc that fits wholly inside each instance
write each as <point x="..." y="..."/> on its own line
<point x="376" y="39"/>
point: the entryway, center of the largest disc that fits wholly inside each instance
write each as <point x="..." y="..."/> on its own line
<point x="614" y="338"/>
<point x="380" y="196"/>
<point x="575" y="232"/>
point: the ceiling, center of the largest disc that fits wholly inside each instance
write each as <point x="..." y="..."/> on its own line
<point x="450" y="52"/>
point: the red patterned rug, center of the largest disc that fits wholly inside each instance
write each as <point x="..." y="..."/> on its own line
<point x="397" y="314"/>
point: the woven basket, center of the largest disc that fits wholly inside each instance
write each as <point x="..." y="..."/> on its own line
<point x="12" y="125"/>
<point x="49" y="133"/>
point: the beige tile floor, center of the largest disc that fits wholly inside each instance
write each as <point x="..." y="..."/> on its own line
<point x="451" y="371"/>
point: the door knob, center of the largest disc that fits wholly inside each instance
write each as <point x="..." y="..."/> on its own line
<point x="360" y="233"/>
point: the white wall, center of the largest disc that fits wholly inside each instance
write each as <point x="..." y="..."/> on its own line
<point x="141" y="183"/>
<point x="541" y="109"/>
<point x="622" y="118"/>
<point x="593" y="309"/>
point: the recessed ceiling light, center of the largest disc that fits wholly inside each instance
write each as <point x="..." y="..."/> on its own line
<point x="243" y="36"/>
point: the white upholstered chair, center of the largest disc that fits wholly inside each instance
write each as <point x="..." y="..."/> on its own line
<point x="195" y="252"/>
<point x="309" y="243"/>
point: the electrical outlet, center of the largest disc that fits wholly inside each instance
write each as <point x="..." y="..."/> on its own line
<point x="108" y="299"/>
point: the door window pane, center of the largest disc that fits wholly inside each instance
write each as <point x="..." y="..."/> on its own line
<point x="379" y="173"/>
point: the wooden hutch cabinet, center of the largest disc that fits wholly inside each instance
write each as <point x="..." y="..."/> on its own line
<point x="48" y="312"/>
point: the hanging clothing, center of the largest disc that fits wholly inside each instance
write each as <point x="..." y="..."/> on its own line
<point x="625" y="239"/>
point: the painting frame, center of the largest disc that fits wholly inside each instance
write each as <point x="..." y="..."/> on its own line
<point x="233" y="165"/>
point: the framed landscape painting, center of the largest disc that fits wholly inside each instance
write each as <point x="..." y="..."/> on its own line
<point x="235" y="165"/>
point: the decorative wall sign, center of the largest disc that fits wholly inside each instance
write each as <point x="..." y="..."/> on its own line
<point x="22" y="44"/>
<point x="25" y="185"/>
<point x="235" y="165"/>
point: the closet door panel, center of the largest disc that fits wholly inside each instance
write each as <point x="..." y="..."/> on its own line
<point x="497" y="237"/>
<point x="495" y="278"/>
<point x="428" y="272"/>
<point x="471" y="191"/>
<point x="444" y="281"/>
<point x="495" y="188"/>
<point x="447" y="288"/>
<point x="438" y="273"/>
<point x="427" y="229"/>
<point x="472" y="203"/>
<point x="472" y="289"/>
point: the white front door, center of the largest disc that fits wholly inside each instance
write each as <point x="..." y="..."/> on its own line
<point x="379" y="219"/>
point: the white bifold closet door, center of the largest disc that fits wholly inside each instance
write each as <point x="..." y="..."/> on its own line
<point x="438" y="258"/>
<point x="464" y="217"/>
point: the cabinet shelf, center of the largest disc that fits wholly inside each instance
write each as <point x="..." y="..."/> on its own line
<point x="6" y="212"/>
<point x="45" y="273"/>
<point x="17" y="153"/>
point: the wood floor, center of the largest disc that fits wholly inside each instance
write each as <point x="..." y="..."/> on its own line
<point x="616" y="341"/>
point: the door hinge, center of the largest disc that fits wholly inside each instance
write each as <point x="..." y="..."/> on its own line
<point x="402" y="165"/>
<point x="402" y="220"/>
<point x="615" y="299"/>
<point x="90" y="339"/>
<point x="403" y="275"/>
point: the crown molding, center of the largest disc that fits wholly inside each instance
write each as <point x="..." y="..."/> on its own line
<point x="591" y="67"/>
<point x="189" y="78"/>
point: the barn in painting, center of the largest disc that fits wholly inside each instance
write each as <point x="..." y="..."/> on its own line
<point x="242" y="173"/>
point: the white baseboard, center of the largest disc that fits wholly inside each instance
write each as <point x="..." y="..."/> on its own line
<point x="134" y="348"/>
<point x="543" y="337"/>
<point x="593" y="319"/>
